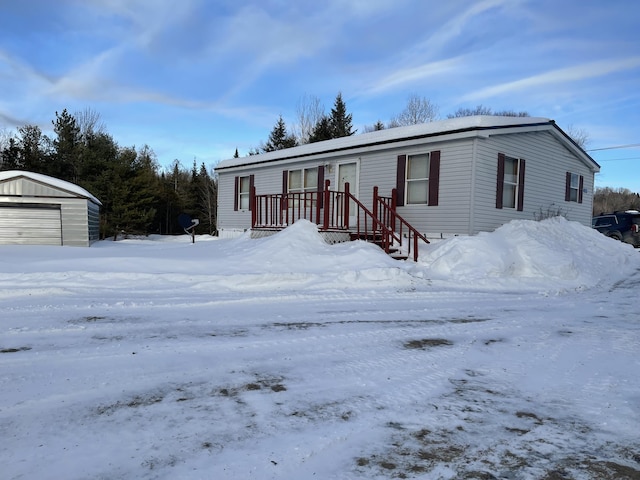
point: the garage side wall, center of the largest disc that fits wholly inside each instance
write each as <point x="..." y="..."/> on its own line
<point x="75" y="231"/>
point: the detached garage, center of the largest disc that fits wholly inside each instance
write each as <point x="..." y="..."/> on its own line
<point x="36" y="209"/>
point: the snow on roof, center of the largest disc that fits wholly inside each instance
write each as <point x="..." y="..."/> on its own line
<point x="53" y="182"/>
<point x="392" y="134"/>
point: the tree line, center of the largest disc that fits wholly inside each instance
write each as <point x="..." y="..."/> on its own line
<point x="609" y="200"/>
<point x="312" y="124"/>
<point x="140" y="198"/>
<point x="137" y="197"/>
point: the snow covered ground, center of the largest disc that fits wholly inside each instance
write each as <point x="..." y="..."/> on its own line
<point x="508" y="355"/>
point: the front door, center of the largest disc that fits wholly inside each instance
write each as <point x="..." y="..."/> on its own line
<point x="348" y="173"/>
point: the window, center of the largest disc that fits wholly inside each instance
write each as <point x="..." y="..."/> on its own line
<point x="510" y="189"/>
<point x="304" y="180"/>
<point x="243" y="187"/>
<point x="573" y="188"/>
<point x="418" y="179"/>
<point x="510" y="182"/>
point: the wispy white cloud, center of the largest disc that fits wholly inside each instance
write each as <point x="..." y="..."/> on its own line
<point x="562" y="75"/>
<point x="456" y="26"/>
<point x="413" y="75"/>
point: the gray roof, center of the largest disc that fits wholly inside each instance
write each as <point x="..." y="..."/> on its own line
<point x="51" y="181"/>
<point x="390" y="135"/>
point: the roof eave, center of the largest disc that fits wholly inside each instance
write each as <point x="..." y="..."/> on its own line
<point x="469" y="131"/>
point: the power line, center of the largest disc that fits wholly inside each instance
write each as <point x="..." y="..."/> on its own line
<point x="617" y="159"/>
<point x="631" y="145"/>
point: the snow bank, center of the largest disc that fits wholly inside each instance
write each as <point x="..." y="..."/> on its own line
<point x="552" y="255"/>
<point x="553" y="252"/>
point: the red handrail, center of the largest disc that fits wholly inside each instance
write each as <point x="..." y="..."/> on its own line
<point x="382" y="225"/>
<point x="387" y="214"/>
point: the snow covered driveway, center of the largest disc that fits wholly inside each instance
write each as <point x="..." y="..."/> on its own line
<point x="222" y="360"/>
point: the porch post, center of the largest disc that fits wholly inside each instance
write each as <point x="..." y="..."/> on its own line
<point x="254" y="207"/>
<point x="326" y="205"/>
<point x="346" y="205"/>
<point x="394" y="205"/>
<point x="376" y="217"/>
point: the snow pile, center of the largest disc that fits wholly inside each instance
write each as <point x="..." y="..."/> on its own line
<point x="553" y="255"/>
<point x="288" y="358"/>
<point x="551" y="252"/>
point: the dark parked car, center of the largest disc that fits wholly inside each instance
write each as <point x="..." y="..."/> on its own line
<point x="623" y="226"/>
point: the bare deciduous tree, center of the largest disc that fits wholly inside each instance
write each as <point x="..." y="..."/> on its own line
<point x="578" y="135"/>
<point x="309" y="111"/>
<point x="418" y="110"/>
<point x="4" y="137"/>
<point x="608" y="200"/>
<point x="89" y="122"/>
<point x="482" y="110"/>
<point x="470" y="112"/>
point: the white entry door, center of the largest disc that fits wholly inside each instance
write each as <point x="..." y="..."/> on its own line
<point x="348" y="173"/>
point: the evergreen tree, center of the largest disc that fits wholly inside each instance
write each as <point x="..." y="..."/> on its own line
<point x="65" y="163"/>
<point x="322" y="131"/>
<point x="375" y="127"/>
<point x="33" y="149"/>
<point x="340" y="120"/>
<point x="10" y="155"/>
<point x="335" y="125"/>
<point x="236" y="154"/>
<point x="279" y="139"/>
<point x="207" y="197"/>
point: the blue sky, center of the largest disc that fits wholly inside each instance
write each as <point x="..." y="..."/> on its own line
<point x="198" y="79"/>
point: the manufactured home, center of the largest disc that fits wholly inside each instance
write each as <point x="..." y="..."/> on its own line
<point x="37" y="209"/>
<point x="453" y="177"/>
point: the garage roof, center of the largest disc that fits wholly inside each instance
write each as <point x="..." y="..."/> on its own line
<point x="51" y="181"/>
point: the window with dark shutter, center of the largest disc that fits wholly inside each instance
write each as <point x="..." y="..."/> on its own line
<point x="400" y="179"/>
<point x="510" y="182"/>
<point x="580" y="189"/>
<point x="500" y="180"/>
<point x="251" y="185"/>
<point x="236" y="192"/>
<point x="320" y="189"/>
<point x="573" y="187"/>
<point x="434" y="178"/>
<point x="521" y="185"/>
<point x="242" y="199"/>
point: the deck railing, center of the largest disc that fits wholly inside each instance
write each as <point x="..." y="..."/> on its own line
<point x="341" y="211"/>
<point x="384" y="209"/>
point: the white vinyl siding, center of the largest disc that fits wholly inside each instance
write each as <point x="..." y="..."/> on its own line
<point x="545" y="179"/>
<point x="467" y="180"/>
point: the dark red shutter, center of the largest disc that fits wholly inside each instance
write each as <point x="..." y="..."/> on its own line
<point x="567" y="188"/>
<point x="434" y="177"/>
<point x="251" y="198"/>
<point x="500" y="180"/>
<point x="285" y="181"/>
<point x="236" y="194"/>
<point x="320" y="184"/>
<point x="521" y="185"/>
<point x="581" y="186"/>
<point x="400" y="179"/>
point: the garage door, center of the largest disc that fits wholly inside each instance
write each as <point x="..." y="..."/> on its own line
<point x="38" y="224"/>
